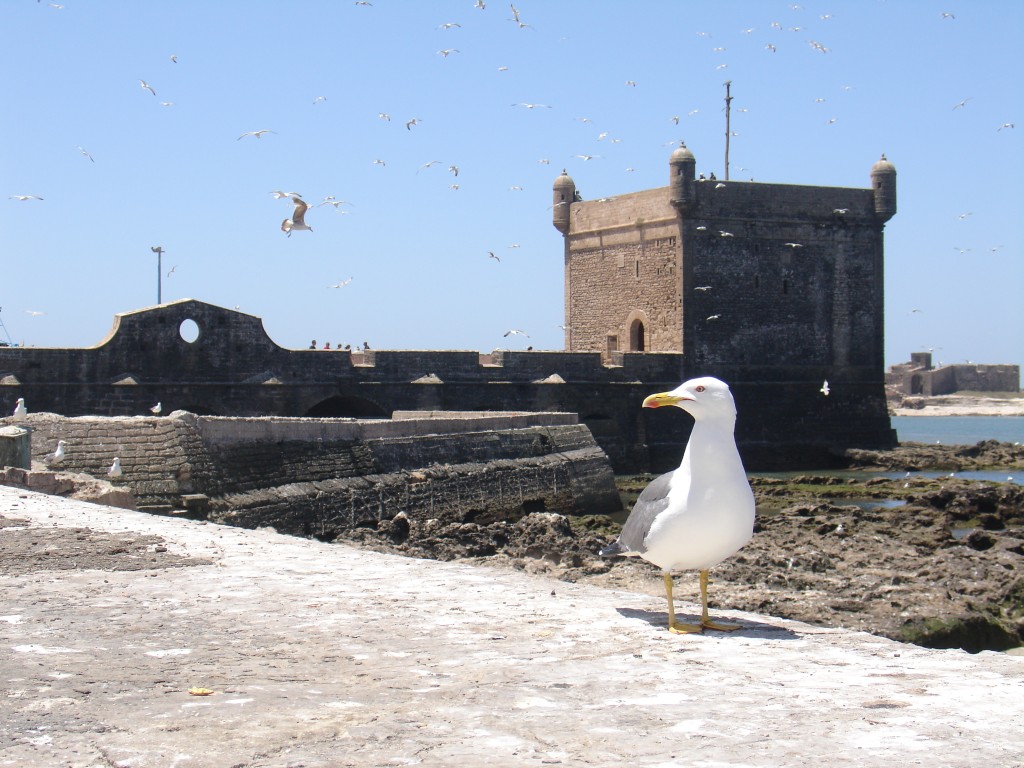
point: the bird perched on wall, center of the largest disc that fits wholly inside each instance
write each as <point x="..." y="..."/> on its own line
<point x="701" y="513"/>
<point x="55" y="458"/>
<point x="298" y="219"/>
<point x="115" y="468"/>
<point x="156" y="409"/>
<point x="20" y="411"/>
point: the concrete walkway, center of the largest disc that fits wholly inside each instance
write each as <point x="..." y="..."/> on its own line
<point x="322" y="655"/>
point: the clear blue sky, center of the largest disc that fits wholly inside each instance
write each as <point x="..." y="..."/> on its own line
<point x="416" y="249"/>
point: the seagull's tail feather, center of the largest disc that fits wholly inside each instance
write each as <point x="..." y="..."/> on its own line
<point x="613" y="549"/>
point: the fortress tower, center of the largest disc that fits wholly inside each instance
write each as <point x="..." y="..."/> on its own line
<point x="732" y="275"/>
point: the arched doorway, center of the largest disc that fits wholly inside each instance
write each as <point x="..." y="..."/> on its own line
<point x="637" y="336"/>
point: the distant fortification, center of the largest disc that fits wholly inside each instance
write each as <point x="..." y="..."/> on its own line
<point x="773" y="288"/>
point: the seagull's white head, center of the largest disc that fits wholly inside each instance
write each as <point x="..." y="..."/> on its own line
<point x="706" y="398"/>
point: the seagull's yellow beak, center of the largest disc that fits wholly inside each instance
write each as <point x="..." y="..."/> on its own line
<point x="663" y="398"/>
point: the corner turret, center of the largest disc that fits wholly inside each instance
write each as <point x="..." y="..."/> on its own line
<point x="682" y="169"/>
<point x="564" y="193"/>
<point x="883" y="183"/>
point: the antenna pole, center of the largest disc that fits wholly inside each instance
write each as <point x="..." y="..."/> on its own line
<point x="728" y="130"/>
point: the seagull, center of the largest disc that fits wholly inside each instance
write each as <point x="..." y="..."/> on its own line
<point x="445" y="52"/>
<point x="34" y="312"/>
<point x="962" y="103"/>
<point x="156" y="409"/>
<point x="702" y="288"/>
<point x="449" y="25"/>
<point x="410" y="123"/>
<point x="1004" y="125"/>
<point x="840" y="211"/>
<point x="384" y="116"/>
<point x="491" y="255"/>
<point x="427" y="165"/>
<point x="174" y="58"/>
<point x="531" y="106"/>
<point x="946" y="15"/>
<point x="297" y="221"/>
<point x="714" y="317"/>
<point x="516" y="332"/>
<point x="794" y="245"/>
<point x="770" y="47"/>
<point x="85" y="153"/>
<point x="25" y="197"/>
<point x="479" y="4"/>
<point x="146" y="85"/>
<point x="258" y="134"/>
<point x="171" y="270"/>
<point x="453" y="170"/>
<point x="723" y="233"/>
<point x="55" y="458"/>
<point x="278" y="194"/>
<point x="166" y="103"/>
<point x="701" y="513"/>
<point x="587" y="157"/>
<point x="341" y="284"/>
<point x="318" y="99"/>
<point x="719" y="185"/>
<point x="825" y="389"/>
<point x="631" y="83"/>
<point x="115" y="468"/>
<point x="378" y="161"/>
<point x="20" y="411"/>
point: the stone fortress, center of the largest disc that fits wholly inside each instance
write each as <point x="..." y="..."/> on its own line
<point x="773" y="288"/>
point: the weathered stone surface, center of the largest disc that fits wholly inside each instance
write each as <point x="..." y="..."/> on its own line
<point x="321" y="655"/>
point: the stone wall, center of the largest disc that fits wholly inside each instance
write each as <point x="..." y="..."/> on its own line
<point x="311" y="476"/>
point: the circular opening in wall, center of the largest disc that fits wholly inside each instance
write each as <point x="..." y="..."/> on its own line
<point x="189" y="330"/>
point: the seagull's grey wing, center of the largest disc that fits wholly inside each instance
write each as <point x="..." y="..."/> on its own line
<point x="651" y="503"/>
<point x="300" y="210"/>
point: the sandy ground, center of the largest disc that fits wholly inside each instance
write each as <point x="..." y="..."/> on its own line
<point x="961" y="405"/>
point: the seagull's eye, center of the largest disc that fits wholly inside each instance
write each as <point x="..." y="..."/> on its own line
<point x="700" y="389"/>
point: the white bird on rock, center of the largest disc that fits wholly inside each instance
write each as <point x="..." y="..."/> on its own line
<point x="156" y="409"/>
<point x="20" y="411"/>
<point x="701" y="513"/>
<point x="55" y="458"/>
<point x="298" y="219"/>
<point x="115" y="468"/>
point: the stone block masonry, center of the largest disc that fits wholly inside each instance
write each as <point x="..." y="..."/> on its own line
<point x="318" y="477"/>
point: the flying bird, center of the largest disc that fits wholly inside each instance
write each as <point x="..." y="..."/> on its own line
<point x="86" y="154"/>
<point x="318" y="99"/>
<point x="516" y="332"/>
<point x="174" y="58"/>
<point x="794" y="245"/>
<point x="449" y="25"/>
<point x="410" y="123"/>
<point x="427" y="165"/>
<point x="528" y="105"/>
<point x="714" y="317"/>
<point x="258" y="134"/>
<point x="384" y="116"/>
<point x="444" y="53"/>
<point x="171" y="270"/>
<point x="825" y="388"/>
<point x="25" y="197"/>
<point x="278" y="194"/>
<point x="147" y="86"/>
<point x="702" y="288"/>
<point x="34" y="313"/>
<point x="963" y="103"/>
<point x="491" y="255"/>
<point x="341" y="284"/>
<point x="698" y="515"/>
<point x="1004" y="125"/>
<point x="297" y="221"/>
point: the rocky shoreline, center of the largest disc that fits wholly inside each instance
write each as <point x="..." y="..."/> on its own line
<point x="975" y="404"/>
<point x="934" y="561"/>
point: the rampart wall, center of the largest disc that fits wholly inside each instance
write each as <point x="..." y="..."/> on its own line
<point x="316" y="476"/>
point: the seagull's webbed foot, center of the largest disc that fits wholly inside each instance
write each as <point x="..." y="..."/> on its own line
<point x="677" y="628"/>
<point x="709" y="624"/>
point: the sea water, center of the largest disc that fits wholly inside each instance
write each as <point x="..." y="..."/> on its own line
<point x="958" y="430"/>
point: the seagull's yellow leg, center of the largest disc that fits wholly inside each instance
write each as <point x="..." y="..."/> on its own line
<point x="705" y="621"/>
<point x="673" y="625"/>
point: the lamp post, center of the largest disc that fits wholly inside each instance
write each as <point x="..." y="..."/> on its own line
<point x="159" y="251"/>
